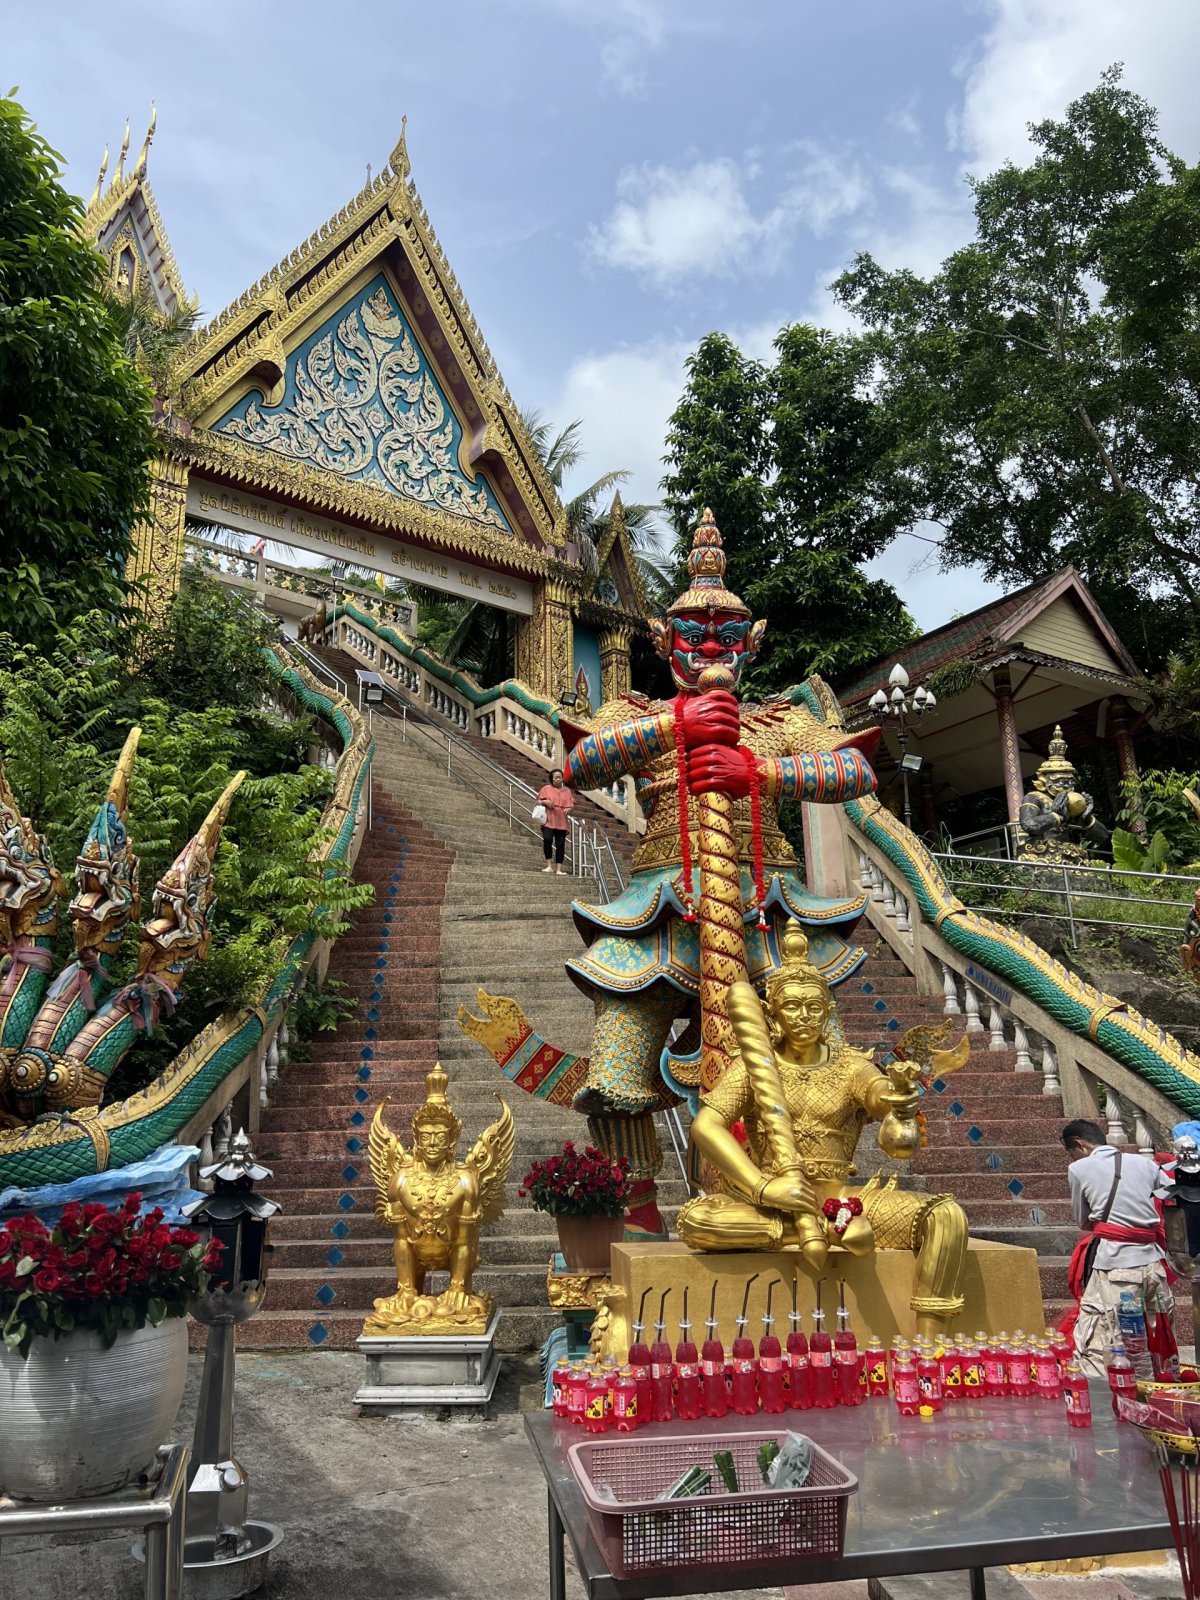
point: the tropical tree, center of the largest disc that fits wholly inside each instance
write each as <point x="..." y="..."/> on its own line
<point x="1042" y="389"/>
<point x="784" y="455"/>
<point x="75" y="416"/>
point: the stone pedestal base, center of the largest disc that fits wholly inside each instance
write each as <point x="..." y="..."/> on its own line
<point x="428" y="1372"/>
<point x="1001" y="1286"/>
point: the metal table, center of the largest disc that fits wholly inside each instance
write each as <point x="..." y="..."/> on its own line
<point x="984" y="1484"/>
<point x="157" y="1506"/>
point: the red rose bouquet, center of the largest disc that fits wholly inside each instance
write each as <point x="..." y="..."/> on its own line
<point x="576" y="1184"/>
<point x="99" y="1269"/>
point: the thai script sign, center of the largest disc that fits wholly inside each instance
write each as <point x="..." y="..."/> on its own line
<point x="378" y="552"/>
<point x="991" y="985"/>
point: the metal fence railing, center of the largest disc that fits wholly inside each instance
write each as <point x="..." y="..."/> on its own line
<point x="1153" y="904"/>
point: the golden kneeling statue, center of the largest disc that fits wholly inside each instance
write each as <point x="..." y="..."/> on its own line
<point x="435" y="1207"/>
<point x="803" y="1096"/>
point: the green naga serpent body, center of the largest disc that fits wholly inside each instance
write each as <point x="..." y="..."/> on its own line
<point x="1124" y="1034"/>
<point x="62" y="1040"/>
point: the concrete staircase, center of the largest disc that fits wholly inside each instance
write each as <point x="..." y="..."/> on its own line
<point x="462" y="903"/>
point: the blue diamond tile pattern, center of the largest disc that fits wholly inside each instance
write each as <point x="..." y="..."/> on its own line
<point x="868" y="988"/>
<point x="881" y="1005"/>
<point x="957" y="1108"/>
<point x="938" y="1085"/>
<point x="893" y="1025"/>
<point x="346" y="1202"/>
<point x="340" y="1230"/>
<point x="974" y="1134"/>
<point x="364" y="1073"/>
<point x="335" y="1257"/>
<point x="1015" y="1187"/>
<point x="361" y="1096"/>
<point x="318" y="1333"/>
<point x="993" y="1162"/>
<point x="349" y="1173"/>
<point x="354" y="1146"/>
<point x="326" y="1295"/>
<point x="357" y="1119"/>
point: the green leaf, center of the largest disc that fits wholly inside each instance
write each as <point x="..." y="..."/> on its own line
<point x="25" y="1266"/>
<point x="156" y="1311"/>
<point x="1128" y="852"/>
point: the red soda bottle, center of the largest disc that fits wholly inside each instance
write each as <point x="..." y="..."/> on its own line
<point x="1064" y="1348"/>
<point x="929" y="1380"/>
<point x="745" y="1388"/>
<point x="577" y="1392"/>
<point x="820" y="1360"/>
<point x="625" y="1401"/>
<point x="562" y="1373"/>
<point x="845" y="1358"/>
<point x="1075" y="1394"/>
<point x="1121" y="1377"/>
<point x="662" y="1370"/>
<point x="972" y="1368"/>
<point x="1047" y="1379"/>
<point x="1020" y="1376"/>
<point x="713" y="1398"/>
<point x="799" y="1372"/>
<point x="639" y="1362"/>
<point x="875" y="1360"/>
<point x="595" y="1416"/>
<point x="687" y="1370"/>
<point x="995" y="1366"/>
<point x="904" y="1386"/>
<point x="952" y="1367"/>
<point x="770" y="1361"/>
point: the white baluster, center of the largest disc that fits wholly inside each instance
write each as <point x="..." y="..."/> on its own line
<point x="996" y="1027"/>
<point x="206" y="1160"/>
<point x="1024" y="1061"/>
<point x="264" y="1082"/>
<point x="1117" y="1132"/>
<point x="864" y="871"/>
<point x="889" y="898"/>
<point x="273" y="1059"/>
<point x="903" y="925"/>
<point x="1142" y="1136"/>
<point x="951" y="1006"/>
<point x="974" y="1022"/>
<point x="223" y="1133"/>
<point x="877" y="884"/>
<point x="285" y="1039"/>
<point x="1051" y="1083"/>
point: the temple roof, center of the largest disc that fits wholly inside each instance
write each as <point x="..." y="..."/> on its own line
<point x="125" y="222"/>
<point x="370" y="294"/>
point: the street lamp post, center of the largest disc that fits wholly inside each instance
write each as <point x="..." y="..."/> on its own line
<point x="903" y="709"/>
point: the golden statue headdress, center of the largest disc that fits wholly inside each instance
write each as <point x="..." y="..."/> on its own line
<point x="436" y="1112"/>
<point x="794" y="967"/>
<point x="1056" y="772"/>
<point x="706" y="589"/>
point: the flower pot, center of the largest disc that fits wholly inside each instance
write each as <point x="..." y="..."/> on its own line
<point x="78" y="1420"/>
<point x="585" y="1241"/>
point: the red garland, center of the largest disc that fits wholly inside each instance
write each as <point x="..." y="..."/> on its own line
<point x="760" y="893"/>
<point x="839" y="1211"/>
<point x="685" y="840"/>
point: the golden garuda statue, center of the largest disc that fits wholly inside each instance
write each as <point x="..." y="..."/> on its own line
<point x="803" y="1096"/>
<point x="435" y="1207"/>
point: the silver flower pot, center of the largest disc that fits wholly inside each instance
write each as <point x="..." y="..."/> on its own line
<point x="78" y="1420"/>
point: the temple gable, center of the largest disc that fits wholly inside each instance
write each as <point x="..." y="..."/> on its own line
<point x="359" y="398"/>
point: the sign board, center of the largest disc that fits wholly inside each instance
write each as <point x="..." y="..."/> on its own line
<point x="378" y="552"/>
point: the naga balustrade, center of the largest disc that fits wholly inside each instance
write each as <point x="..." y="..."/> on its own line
<point x="1084" y="1078"/>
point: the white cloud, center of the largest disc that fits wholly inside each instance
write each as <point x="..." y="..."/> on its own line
<point x="632" y="33"/>
<point x="1040" y="54"/>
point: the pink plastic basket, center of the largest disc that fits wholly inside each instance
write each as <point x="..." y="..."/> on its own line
<point x="638" y="1529"/>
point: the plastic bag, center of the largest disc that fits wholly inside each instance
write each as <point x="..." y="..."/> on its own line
<point x="538" y="813"/>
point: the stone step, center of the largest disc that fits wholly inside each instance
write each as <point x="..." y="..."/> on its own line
<point x="1023" y="1160"/>
<point x="521" y="1328"/>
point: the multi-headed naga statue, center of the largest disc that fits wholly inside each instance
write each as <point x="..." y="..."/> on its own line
<point x="714" y="881"/>
<point x="61" y="1037"/>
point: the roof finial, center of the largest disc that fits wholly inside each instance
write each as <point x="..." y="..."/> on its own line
<point x="120" y="172"/>
<point x="398" y="160"/>
<point x="99" y="179"/>
<point x="139" y="170"/>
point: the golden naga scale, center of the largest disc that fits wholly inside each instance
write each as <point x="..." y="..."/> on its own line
<point x="435" y="1207"/>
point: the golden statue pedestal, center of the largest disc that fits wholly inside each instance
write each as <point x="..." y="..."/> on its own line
<point x="1001" y="1287"/>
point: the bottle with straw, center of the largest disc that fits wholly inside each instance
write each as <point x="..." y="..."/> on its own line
<point x="799" y="1373"/>
<point x="662" y="1369"/>
<point x="845" y="1345"/>
<point x="713" y="1397"/>
<point x="820" y="1360"/>
<point x="687" y="1370"/>
<point x="745" y="1388"/>
<point x="639" y="1361"/>
<point x="770" y="1361"/>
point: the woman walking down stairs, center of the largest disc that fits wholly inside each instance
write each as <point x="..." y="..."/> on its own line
<point x="461" y="903"/>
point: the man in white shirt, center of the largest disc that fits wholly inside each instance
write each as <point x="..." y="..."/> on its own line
<point x="1125" y="1297"/>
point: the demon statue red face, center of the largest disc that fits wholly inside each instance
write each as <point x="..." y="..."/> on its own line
<point x="707" y="626"/>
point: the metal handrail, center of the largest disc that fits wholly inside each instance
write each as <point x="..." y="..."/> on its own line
<point x="315" y="664"/>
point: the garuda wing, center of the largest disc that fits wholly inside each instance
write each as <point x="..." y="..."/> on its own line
<point x="491" y="1157"/>
<point x="386" y="1154"/>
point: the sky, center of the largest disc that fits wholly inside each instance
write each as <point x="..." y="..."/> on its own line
<point x="611" y="179"/>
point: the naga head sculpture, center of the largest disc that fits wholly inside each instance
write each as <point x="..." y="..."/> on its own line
<point x="707" y="626"/>
<point x="29" y="881"/>
<point x="177" y="931"/>
<point x="106" y="869"/>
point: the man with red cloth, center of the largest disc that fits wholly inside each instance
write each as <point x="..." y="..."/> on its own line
<point x="1126" y="1297"/>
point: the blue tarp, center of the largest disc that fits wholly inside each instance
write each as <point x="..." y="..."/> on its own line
<point x="162" y="1180"/>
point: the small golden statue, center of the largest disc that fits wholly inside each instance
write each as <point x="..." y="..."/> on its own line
<point x="804" y="1095"/>
<point x="435" y="1207"/>
<point x="1057" y="821"/>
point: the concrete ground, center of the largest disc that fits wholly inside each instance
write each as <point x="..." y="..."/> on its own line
<point x="391" y="1509"/>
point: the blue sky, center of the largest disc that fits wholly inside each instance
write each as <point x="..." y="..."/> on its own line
<point x="611" y="179"/>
